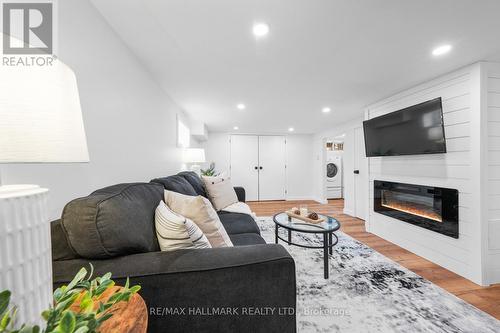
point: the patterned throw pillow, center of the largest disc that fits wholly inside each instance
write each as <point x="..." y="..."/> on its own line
<point x="176" y="232"/>
<point x="201" y="212"/>
<point x="220" y="191"/>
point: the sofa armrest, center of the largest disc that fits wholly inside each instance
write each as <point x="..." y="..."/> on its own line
<point x="240" y="193"/>
<point x="217" y="289"/>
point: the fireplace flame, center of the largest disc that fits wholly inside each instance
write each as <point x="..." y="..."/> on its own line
<point x="415" y="210"/>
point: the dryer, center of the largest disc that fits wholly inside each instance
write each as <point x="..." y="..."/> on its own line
<point x="333" y="175"/>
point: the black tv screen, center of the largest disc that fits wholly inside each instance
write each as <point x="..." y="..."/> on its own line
<point x="418" y="129"/>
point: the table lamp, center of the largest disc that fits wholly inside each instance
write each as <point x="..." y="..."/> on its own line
<point x="40" y="122"/>
<point x="194" y="156"/>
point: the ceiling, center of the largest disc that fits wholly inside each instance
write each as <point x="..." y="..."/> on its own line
<point x="343" y="54"/>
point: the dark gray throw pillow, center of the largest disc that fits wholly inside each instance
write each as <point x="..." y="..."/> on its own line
<point x="113" y="221"/>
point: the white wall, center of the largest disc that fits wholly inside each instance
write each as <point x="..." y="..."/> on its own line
<point x="459" y="168"/>
<point x="492" y="173"/>
<point x="348" y="162"/>
<point x="218" y="150"/>
<point x="130" y="122"/>
<point x="299" y="161"/>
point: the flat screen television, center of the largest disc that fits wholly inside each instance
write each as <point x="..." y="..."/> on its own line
<point x="418" y="129"/>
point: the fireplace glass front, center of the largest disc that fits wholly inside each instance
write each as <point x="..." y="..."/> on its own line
<point x="433" y="208"/>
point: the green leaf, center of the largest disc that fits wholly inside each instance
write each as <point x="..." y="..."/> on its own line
<point x="46" y="315"/>
<point x="126" y="284"/>
<point x="59" y="293"/>
<point x="4" y="322"/>
<point x="91" y="270"/>
<point x="67" y="303"/>
<point x="102" y="288"/>
<point x="67" y="323"/>
<point x="4" y="301"/>
<point x="78" y="277"/>
<point x="106" y="276"/>
<point x="135" y="289"/>
<point x="83" y="329"/>
<point x="29" y="329"/>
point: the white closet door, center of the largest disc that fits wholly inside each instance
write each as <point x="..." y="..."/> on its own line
<point x="244" y="163"/>
<point x="272" y="161"/>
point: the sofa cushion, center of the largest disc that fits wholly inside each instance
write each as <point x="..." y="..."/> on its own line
<point x="177" y="184"/>
<point x="176" y="232"/>
<point x="220" y="191"/>
<point x="195" y="182"/>
<point x="237" y="223"/>
<point x="200" y="211"/>
<point x="113" y="221"/>
<point x="60" y="247"/>
<point x="246" y="239"/>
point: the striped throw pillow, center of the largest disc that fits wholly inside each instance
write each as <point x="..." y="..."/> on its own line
<point x="176" y="232"/>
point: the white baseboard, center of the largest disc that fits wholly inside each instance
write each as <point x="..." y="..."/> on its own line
<point x="321" y="201"/>
<point x="349" y="212"/>
<point x="493" y="277"/>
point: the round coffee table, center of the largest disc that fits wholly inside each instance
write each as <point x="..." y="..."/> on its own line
<point x="325" y="228"/>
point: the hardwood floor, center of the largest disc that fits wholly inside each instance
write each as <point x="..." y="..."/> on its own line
<point x="484" y="298"/>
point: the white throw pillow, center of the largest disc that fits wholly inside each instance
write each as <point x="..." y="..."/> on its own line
<point x="176" y="232"/>
<point x="200" y="210"/>
<point x="220" y="191"/>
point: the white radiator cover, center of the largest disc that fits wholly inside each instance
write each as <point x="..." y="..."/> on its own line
<point x="25" y="250"/>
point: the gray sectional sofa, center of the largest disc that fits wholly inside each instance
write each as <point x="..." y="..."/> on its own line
<point x="250" y="287"/>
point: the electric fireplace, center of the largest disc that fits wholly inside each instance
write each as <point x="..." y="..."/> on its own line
<point x="433" y="208"/>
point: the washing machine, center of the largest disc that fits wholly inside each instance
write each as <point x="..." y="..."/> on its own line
<point x="334" y="188"/>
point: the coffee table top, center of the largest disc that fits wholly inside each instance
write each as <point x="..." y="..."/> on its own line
<point x="329" y="225"/>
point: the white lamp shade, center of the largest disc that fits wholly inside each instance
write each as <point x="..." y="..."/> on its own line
<point x="40" y="115"/>
<point x="194" y="155"/>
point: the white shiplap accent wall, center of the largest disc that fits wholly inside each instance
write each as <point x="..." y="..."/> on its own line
<point x="458" y="169"/>
<point x="492" y="98"/>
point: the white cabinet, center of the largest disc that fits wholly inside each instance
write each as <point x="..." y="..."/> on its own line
<point x="244" y="164"/>
<point x="258" y="163"/>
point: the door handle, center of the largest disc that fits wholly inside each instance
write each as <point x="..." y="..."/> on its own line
<point x="256" y="168"/>
<point x="260" y="168"/>
<point x="356" y="172"/>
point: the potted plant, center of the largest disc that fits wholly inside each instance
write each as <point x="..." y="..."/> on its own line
<point x="78" y="307"/>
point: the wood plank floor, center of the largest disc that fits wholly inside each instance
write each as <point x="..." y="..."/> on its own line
<point x="484" y="298"/>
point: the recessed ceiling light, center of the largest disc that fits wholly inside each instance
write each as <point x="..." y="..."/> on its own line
<point x="443" y="49"/>
<point x="241" y="106"/>
<point x="236" y="128"/>
<point x="260" y="29"/>
<point x="326" y="110"/>
<point x="291" y="129"/>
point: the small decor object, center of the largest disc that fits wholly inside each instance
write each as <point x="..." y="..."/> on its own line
<point x="82" y="306"/>
<point x="296" y="211"/>
<point x="313" y="216"/>
<point x="210" y="172"/>
<point x="303" y="210"/>
<point x="306" y="218"/>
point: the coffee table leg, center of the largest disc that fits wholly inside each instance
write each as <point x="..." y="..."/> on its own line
<point x="289" y="236"/>
<point x="325" y="254"/>
<point x="276" y="234"/>
<point x="330" y="242"/>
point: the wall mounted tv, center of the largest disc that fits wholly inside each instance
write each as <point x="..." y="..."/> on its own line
<point x="418" y="129"/>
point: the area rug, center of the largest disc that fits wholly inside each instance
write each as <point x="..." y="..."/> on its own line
<point x="368" y="292"/>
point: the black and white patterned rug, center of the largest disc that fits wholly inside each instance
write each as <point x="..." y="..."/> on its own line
<point x="367" y="292"/>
